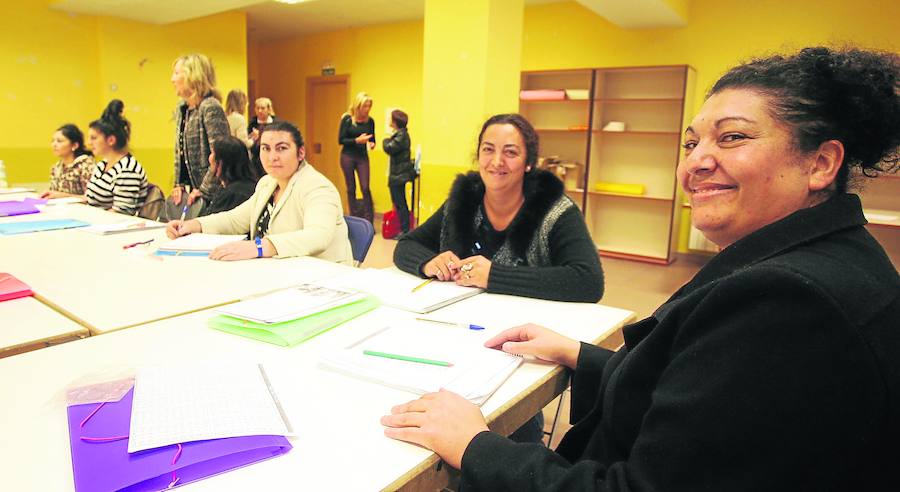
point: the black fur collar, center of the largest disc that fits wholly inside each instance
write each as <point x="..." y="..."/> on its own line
<point x="541" y="188"/>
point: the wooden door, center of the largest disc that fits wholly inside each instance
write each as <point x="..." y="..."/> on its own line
<point x="326" y="101"/>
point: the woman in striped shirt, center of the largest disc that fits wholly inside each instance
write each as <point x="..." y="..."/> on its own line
<point x="118" y="182"/>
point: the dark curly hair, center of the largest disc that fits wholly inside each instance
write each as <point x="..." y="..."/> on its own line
<point x="529" y="135"/>
<point x="822" y="94"/>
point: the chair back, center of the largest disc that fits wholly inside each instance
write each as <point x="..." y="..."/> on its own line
<point x="153" y="204"/>
<point x="361" y="233"/>
<point x="173" y="212"/>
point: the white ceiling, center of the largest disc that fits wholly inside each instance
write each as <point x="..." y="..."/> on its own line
<point x="268" y="20"/>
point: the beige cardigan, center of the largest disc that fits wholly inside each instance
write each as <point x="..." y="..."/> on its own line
<point x="308" y="219"/>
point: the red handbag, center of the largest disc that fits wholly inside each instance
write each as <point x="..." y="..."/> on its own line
<point x="390" y="224"/>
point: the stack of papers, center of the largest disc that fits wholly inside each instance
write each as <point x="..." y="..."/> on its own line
<point x="423" y="358"/>
<point x="396" y="289"/>
<point x="197" y="244"/>
<point x="290" y="316"/>
<point x="130" y="225"/>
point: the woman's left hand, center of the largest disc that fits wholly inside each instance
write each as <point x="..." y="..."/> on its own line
<point x="443" y="422"/>
<point x="371" y="145"/>
<point x="474" y="271"/>
<point x="237" y="250"/>
<point x="195" y="194"/>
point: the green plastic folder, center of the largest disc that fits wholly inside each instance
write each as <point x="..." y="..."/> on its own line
<point x="290" y="333"/>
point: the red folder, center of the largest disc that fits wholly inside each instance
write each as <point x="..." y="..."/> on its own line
<point x="12" y="288"/>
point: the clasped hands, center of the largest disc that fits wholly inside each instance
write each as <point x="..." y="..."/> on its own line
<point x="445" y="422"/>
<point x="473" y="271"/>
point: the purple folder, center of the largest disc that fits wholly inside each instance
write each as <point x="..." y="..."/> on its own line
<point x="10" y="208"/>
<point x="107" y="466"/>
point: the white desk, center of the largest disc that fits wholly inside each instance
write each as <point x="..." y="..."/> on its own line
<point x="340" y="443"/>
<point x="26" y="324"/>
<point x="92" y="279"/>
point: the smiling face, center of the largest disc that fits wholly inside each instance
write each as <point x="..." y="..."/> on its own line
<point x="62" y="147"/>
<point x="179" y="81"/>
<point x="279" y="155"/>
<point x="501" y="159"/>
<point x="740" y="170"/>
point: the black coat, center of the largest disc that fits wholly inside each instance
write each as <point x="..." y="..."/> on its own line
<point x="571" y="273"/>
<point x="397" y="147"/>
<point x="777" y="367"/>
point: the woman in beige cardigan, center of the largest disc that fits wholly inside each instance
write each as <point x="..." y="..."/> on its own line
<point x="295" y="210"/>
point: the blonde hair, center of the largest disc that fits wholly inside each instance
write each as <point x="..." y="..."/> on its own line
<point x="360" y="99"/>
<point x="235" y="101"/>
<point x="199" y="75"/>
<point x="265" y="102"/>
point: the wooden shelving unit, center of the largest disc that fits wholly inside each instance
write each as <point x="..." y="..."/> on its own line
<point x="651" y="102"/>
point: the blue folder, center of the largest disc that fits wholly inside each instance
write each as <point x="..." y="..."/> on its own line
<point x="11" y="228"/>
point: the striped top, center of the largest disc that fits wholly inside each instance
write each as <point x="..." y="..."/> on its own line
<point x="123" y="187"/>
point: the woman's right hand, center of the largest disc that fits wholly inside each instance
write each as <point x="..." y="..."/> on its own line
<point x="176" y="195"/>
<point x="254" y="135"/>
<point x="178" y="228"/>
<point x="536" y="340"/>
<point x="443" y="266"/>
<point x="363" y="138"/>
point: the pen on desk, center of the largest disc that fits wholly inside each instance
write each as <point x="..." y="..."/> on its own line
<point x="137" y="244"/>
<point x="423" y="284"/>
<point x="466" y="325"/>
<point x="407" y="358"/>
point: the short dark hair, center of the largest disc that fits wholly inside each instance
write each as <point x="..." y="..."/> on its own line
<point x="821" y="94"/>
<point x="284" y="126"/>
<point x="399" y="118"/>
<point x="74" y="135"/>
<point x="112" y="123"/>
<point x="231" y="155"/>
<point x="529" y="135"/>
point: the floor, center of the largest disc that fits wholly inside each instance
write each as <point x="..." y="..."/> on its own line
<point x="636" y="286"/>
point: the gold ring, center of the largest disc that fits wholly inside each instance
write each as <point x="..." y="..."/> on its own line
<point x="467" y="267"/>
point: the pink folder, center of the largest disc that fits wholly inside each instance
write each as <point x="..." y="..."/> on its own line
<point x="107" y="466"/>
<point x="12" y="288"/>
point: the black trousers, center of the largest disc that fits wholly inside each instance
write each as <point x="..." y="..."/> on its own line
<point x="398" y="198"/>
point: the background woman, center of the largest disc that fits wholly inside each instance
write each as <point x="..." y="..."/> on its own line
<point x="118" y="182"/>
<point x="508" y="228"/>
<point x="70" y="175"/>
<point x="230" y="164"/>
<point x="401" y="170"/>
<point x="235" y="105"/>
<point x="263" y="115"/>
<point x="295" y="210"/>
<point x="199" y="120"/>
<point x="776" y="367"/>
<point x="356" y="136"/>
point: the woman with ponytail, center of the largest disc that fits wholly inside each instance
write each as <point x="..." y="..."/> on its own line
<point x="118" y="182"/>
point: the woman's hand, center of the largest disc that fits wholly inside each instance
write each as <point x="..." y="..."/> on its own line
<point x="371" y="145"/>
<point x="237" y="250"/>
<point x="178" y="228"/>
<point x="443" y="422"/>
<point x="195" y="194"/>
<point x="254" y="135"/>
<point x="363" y="138"/>
<point x="176" y="195"/>
<point x="443" y="266"/>
<point x="474" y="271"/>
<point x="541" y="342"/>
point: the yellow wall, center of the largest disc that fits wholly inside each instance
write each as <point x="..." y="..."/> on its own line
<point x="384" y="60"/>
<point x="66" y="69"/>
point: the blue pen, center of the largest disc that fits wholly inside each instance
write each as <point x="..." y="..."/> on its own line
<point x="183" y="215"/>
<point x="465" y="325"/>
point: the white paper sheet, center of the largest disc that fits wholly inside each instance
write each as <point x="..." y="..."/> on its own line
<point x="290" y="304"/>
<point x="200" y="242"/>
<point x="395" y="288"/>
<point x="130" y="225"/>
<point x="183" y="403"/>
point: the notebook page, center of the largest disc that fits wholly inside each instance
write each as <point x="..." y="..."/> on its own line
<point x="395" y="288"/>
<point x="200" y="242"/>
<point x="290" y="304"/>
<point x="183" y="403"/>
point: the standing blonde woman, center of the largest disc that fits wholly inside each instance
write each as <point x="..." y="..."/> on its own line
<point x="357" y="136"/>
<point x="235" y="105"/>
<point x="199" y="120"/>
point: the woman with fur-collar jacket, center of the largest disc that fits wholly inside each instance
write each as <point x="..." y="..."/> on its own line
<point x="509" y="228"/>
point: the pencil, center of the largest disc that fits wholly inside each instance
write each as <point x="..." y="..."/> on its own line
<point x="423" y="284"/>
<point x="407" y="358"/>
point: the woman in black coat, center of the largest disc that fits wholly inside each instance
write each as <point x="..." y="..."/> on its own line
<point x="776" y="367"/>
<point x="401" y="167"/>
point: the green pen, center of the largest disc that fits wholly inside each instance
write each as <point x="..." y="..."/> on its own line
<point x="407" y="358"/>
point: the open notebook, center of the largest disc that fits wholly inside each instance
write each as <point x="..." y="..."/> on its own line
<point x="423" y="358"/>
<point x="197" y="243"/>
<point x="395" y="288"/>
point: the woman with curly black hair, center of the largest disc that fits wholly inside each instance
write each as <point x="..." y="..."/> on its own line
<point x="776" y="367"/>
